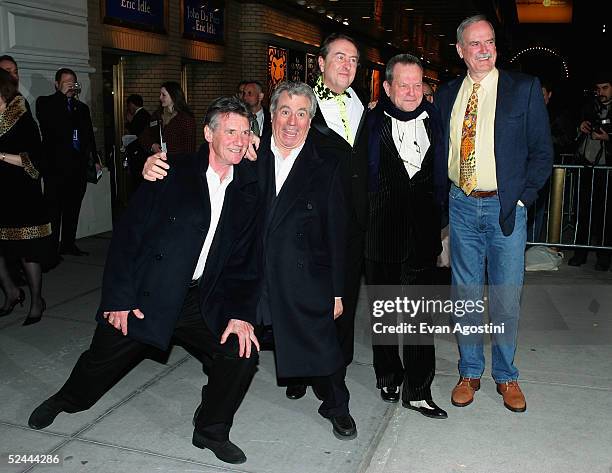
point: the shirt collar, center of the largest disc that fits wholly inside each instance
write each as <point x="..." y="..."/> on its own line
<point x="489" y="81"/>
<point x="212" y="176"/>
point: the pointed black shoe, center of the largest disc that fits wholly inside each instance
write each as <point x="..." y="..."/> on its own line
<point x="344" y="427"/>
<point x="224" y="450"/>
<point x="434" y="413"/>
<point x="29" y="320"/>
<point x="390" y="394"/>
<point x="12" y="305"/>
<point x="44" y="415"/>
<point x="295" y="391"/>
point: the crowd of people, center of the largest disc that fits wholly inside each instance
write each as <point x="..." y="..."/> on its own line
<point x="269" y="227"/>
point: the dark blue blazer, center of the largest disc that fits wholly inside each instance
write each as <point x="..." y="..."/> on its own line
<point x="523" y="147"/>
<point x="156" y="245"/>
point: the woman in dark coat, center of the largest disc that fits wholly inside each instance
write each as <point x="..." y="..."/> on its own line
<point x="173" y="123"/>
<point x="25" y="231"/>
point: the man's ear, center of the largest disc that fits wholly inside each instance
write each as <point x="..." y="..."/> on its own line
<point x="459" y="50"/>
<point x="387" y="87"/>
<point x="56" y="85"/>
<point x="208" y="133"/>
<point x="321" y="62"/>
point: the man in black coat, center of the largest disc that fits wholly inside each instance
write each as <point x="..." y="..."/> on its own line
<point x="68" y="140"/>
<point x="338" y="130"/>
<point x="182" y="267"/>
<point x="403" y="238"/>
<point x="304" y="238"/>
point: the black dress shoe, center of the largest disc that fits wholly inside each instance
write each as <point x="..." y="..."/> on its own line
<point x="390" y="394"/>
<point x="224" y="450"/>
<point x="34" y="319"/>
<point x="11" y="305"/>
<point x="344" y="427"/>
<point x="435" y="412"/>
<point x="44" y="415"/>
<point x="295" y="391"/>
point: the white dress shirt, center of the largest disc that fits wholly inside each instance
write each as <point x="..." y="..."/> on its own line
<point x="282" y="166"/>
<point x="216" y="192"/>
<point x="411" y="141"/>
<point x="331" y="112"/>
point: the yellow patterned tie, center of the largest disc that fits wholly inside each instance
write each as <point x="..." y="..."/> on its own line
<point x="467" y="161"/>
<point x="344" y="117"/>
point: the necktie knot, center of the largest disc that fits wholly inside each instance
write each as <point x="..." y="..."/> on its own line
<point x="475" y="87"/>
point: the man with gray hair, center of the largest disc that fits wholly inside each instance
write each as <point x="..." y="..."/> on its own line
<point x="304" y="240"/>
<point x="303" y="235"/>
<point x="198" y="226"/>
<point x="499" y="151"/>
<point x="403" y="238"/>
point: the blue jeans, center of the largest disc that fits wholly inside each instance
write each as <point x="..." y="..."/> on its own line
<point x="478" y="246"/>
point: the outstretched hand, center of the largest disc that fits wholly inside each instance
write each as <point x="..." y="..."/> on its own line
<point x="245" y="333"/>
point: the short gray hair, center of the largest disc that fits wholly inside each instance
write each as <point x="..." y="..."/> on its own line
<point x="470" y="21"/>
<point x="400" y="59"/>
<point x="294" y="88"/>
<point x="225" y="106"/>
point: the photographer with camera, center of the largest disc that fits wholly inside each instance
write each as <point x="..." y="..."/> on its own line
<point x="594" y="202"/>
<point x="68" y="139"/>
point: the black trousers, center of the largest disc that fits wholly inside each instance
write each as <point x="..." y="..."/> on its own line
<point x="64" y="194"/>
<point x="111" y="355"/>
<point x="330" y="389"/>
<point x="419" y="366"/>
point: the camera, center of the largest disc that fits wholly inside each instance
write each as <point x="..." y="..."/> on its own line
<point x="602" y="124"/>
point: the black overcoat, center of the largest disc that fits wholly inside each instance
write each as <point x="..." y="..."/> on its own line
<point x="304" y="240"/>
<point x="155" y="249"/>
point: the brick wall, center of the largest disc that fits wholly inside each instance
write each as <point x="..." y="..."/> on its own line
<point x="249" y="29"/>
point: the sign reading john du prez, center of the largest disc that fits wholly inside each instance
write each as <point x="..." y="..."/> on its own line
<point x="145" y="14"/>
<point x="203" y="20"/>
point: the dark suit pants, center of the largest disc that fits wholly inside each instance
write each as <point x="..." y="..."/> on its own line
<point x="64" y="194"/>
<point x="330" y="389"/>
<point x="419" y="367"/>
<point x="111" y="355"/>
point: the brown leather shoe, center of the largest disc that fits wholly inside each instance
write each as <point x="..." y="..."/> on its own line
<point x="513" y="396"/>
<point x="463" y="392"/>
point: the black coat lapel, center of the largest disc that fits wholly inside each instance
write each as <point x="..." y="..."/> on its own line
<point x="299" y="178"/>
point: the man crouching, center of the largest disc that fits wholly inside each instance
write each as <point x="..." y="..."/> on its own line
<point x="182" y="268"/>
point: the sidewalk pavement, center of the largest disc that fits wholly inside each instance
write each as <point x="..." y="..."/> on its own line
<point x="143" y="424"/>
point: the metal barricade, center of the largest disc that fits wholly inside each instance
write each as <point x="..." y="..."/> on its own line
<point x="577" y="208"/>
